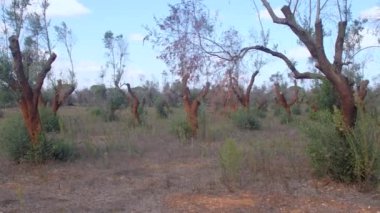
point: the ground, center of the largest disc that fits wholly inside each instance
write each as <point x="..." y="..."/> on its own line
<point x="146" y="169"/>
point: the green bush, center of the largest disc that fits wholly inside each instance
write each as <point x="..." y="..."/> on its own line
<point x="49" y="121"/>
<point x="14" y="140"/>
<point x="39" y="153"/>
<point x="162" y="108"/>
<point x="364" y="145"/>
<point x="296" y="109"/>
<point x="244" y="119"/>
<point x="181" y="129"/>
<point x="15" y="143"/>
<point x="62" y="150"/>
<point x="97" y="112"/>
<point x="106" y="114"/>
<point x="230" y="160"/>
<point x="344" y="155"/>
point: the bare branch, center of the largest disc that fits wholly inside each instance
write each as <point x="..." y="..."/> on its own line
<point x="339" y="45"/>
<point x="273" y="15"/>
<point x="42" y="74"/>
<point x="288" y="62"/>
<point x="249" y="88"/>
<point x="203" y="93"/>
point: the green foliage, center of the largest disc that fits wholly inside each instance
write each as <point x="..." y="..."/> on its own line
<point x="181" y="129"/>
<point x="99" y="91"/>
<point x="15" y="143"/>
<point x="326" y="96"/>
<point x="162" y="108"/>
<point x="230" y="160"/>
<point x="344" y="155"/>
<point x="296" y="109"/>
<point x="49" y="121"/>
<point x="115" y="100"/>
<point x="41" y="152"/>
<point x="97" y="112"/>
<point x="7" y="97"/>
<point x="62" y="150"/>
<point x="327" y="148"/>
<point x="285" y="118"/>
<point x="244" y="119"/>
<point x="14" y="140"/>
<point x="364" y="145"/>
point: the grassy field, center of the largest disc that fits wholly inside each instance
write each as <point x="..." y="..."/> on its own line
<point x="121" y="168"/>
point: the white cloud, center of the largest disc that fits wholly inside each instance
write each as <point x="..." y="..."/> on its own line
<point x="371" y="13"/>
<point x="61" y="8"/>
<point x="87" y="72"/>
<point x="264" y="15"/>
<point x="66" y="8"/>
<point x="369" y="39"/>
<point x="298" y="53"/>
<point x="136" y="37"/>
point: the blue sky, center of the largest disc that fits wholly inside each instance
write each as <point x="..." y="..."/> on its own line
<point x="89" y="19"/>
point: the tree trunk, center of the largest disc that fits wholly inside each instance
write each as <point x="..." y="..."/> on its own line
<point x="281" y="100"/>
<point x="135" y="106"/>
<point x="192" y="106"/>
<point x="31" y="119"/>
<point x="244" y="98"/>
<point x="361" y="93"/>
<point x="61" y="93"/>
<point x="347" y="101"/>
<point x="29" y="96"/>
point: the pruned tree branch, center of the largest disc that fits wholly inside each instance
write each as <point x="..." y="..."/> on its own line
<point x="288" y="62"/>
<point x="46" y="68"/>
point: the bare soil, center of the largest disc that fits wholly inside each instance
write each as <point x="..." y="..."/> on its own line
<point x="167" y="176"/>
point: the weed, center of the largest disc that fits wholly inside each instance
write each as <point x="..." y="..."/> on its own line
<point x="244" y="119"/>
<point x="344" y="155"/>
<point x="14" y="140"/>
<point x="230" y="160"/>
<point x="49" y="121"/>
<point x="181" y="129"/>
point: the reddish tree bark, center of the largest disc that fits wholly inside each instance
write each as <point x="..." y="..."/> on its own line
<point x="29" y="97"/>
<point x="192" y="106"/>
<point x="281" y="100"/>
<point x="331" y="70"/>
<point x="61" y="93"/>
<point x="135" y="105"/>
<point x="243" y="97"/>
<point x="361" y="93"/>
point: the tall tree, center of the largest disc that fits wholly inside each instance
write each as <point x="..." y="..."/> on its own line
<point x="28" y="87"/>
<point x="117" y="47"/>
<point x="176" y="36"/>
<point x="312" y="37"/>
<point x="62" y="91"/>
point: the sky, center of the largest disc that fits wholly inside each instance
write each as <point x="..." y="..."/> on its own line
<point x="90" y="19"/>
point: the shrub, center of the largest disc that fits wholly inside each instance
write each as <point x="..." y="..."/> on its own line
<point x="14" y="140"/>
<point x="244" y="119"/>
<point x="181" y="129"/>
<point x="296" y="109"/>
<point x="62" y="150"/>
<point x="364" y="145"/>
<point x="49" y="121"/>
<point x="97" y="112"/>
<point x="230" y="160"/>
<point x="344" y="155"/>
<point x="39" y="153"/>
<point x="162" y="108"/>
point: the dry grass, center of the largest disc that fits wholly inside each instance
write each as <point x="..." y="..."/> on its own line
<point x="146" y="169"/>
